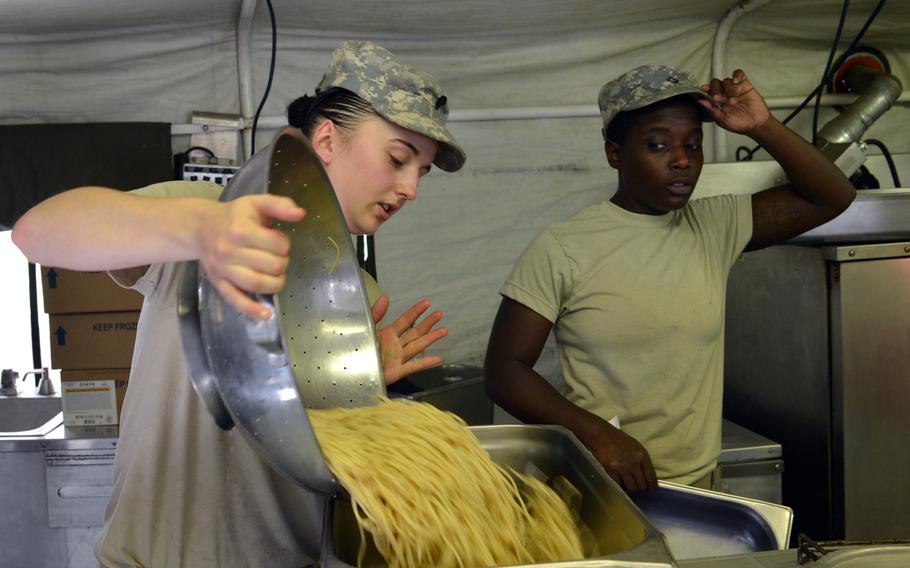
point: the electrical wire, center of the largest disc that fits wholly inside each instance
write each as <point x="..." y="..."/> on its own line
<point x="826" y="73"/>
<point x="749" y="153"/>
<point x="201" y="149"/>
<point x="887" y="155"/>
<point x="268" y="86"/>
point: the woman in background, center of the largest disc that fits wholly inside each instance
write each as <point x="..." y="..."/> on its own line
<point x="634" y="287"/>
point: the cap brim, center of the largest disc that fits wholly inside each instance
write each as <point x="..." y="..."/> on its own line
<point x="681" y="90"/>
<point x="449" y="155"/>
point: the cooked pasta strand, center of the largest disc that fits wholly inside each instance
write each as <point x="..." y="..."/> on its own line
<point x="429" y="495"/>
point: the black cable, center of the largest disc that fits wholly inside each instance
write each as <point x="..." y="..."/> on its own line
<point x="827" y="71"/>
<point x="887" y="155"/>
<point x="202" y="148"/>
<point x="33" y="315"/>
<point x="268" y="86"/>
<point x="859" y="36"/>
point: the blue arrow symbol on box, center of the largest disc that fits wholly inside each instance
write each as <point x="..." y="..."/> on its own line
<point x="61" y="336"/>
<point x="51" y="278"/>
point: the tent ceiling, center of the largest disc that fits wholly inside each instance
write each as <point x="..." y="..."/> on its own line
<point x="420" y="17"/>
<point x="34" y="17"/>
<point x="485" y="17"/>
<point x="407" y="17"/>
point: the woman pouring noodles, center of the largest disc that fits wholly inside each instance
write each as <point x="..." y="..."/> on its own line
<point x="185" y="492"/>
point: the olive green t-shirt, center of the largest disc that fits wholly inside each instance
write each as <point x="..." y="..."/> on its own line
<point x="637" y="305"/>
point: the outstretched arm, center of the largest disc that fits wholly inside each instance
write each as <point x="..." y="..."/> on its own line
<point x="817" y="191"/>
<point x="516" y="340"/>
<point x="95" y="228"/>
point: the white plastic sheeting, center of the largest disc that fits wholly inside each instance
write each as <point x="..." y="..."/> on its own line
<point x="134" y="60"/>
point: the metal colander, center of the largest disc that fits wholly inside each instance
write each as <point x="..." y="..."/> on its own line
<point x="319" y="348"/>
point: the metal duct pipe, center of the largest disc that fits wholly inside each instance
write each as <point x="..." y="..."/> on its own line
<point x="719" y="62"/>
<point x="878" y="92"/>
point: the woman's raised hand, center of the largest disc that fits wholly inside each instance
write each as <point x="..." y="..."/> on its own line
<point x="402" y="341"/>
<point x="737" y="107"/>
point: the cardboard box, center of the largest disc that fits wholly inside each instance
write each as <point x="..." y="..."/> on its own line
<point x="102" y="340"/>
<point x="69" y="291"/>
<point x="93" y="397"/>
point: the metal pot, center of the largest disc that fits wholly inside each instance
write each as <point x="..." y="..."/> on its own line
<point x="318" y="349"/>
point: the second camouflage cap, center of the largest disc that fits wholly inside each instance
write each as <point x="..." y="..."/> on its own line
<point x="398" y="92"/>
<point x="643" y="86"/>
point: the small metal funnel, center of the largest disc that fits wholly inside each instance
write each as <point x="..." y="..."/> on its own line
<point x="46" y="385"/>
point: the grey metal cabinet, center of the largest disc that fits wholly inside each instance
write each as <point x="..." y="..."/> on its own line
<point x="870" y="341"/>
<point x="750" y="464"/>
<point x="818" y="359"/>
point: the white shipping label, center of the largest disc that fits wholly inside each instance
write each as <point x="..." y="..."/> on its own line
<point x="89" y="403"/>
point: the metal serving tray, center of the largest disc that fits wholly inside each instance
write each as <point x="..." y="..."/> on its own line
<point x="623" y="536"/>
<point x="698" y="523"/>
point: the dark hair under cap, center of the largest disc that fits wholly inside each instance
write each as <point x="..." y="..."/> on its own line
<point x="341" y="106"/>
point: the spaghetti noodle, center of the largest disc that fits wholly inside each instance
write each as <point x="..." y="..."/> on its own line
<point x="429" y="495"/>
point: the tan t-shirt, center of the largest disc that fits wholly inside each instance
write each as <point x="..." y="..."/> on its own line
<point x="186" y="493"/>
<point x="637" y="303"/>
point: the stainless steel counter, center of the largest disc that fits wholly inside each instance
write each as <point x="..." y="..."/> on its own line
<point x="855" y="556"/>
<point x="750" y="465"/>
<point x="63" y="438"/>
<point x="771" y="559"/>
<point x="740" y="444"/>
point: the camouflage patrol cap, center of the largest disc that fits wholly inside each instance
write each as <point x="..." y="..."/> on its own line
<point x="398" y="92"/>
<point x="646" y="85"/>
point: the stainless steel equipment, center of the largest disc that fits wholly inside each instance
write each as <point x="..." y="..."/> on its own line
<point x="839" y="139"/>
<point x="750" y="464"/>
<point x="452" y="387"/>
<point x="319" y="347"/>
<point x="699" y="523"/>
<point x="817" y="358"/>
<point x="651" y="530"/>
<point x="620" y="531"/>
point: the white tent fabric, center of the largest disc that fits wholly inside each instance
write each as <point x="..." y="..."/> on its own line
<point x="133" y="60"/>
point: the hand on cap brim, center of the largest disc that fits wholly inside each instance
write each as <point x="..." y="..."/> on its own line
<point x="737" y="106"/>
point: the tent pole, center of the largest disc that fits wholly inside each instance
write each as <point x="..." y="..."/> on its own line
<point x="545" y="112"/>
<point x="245" y="71"/>
<point x="719" y="64"/>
